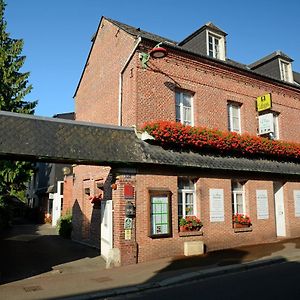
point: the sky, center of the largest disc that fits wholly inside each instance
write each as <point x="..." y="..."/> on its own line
<point x="57" y="34"/>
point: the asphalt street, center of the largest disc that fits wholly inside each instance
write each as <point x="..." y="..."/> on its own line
<point x="280" y="281"/>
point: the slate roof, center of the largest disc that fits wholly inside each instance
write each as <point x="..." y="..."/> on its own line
<point x="63" y="141"/>
<point x="208" y="25"/>
<point x="296" y="76"/>
<point x="137" y="32"/>
<point x="270" y="57"/>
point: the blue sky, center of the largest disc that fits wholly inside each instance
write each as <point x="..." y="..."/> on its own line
<point x="57" y="34"/>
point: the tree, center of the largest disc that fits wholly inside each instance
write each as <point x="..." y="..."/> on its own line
<point x="13" y="89"/>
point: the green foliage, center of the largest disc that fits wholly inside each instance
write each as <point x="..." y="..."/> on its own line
<point x="13" y="88"/>
<point x="14" y="84"/>
<point x="65" y="226"/>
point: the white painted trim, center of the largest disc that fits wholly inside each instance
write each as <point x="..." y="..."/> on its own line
<point x="290" y="73"/>
<point x="221" y="44"/>
<point x="120" y="98"/>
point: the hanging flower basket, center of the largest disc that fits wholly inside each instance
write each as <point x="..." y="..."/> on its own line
<point x="96" y="199"/>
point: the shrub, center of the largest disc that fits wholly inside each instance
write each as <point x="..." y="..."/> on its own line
<point x="65" y="226"/>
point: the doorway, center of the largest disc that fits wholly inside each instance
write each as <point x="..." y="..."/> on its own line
<point x="106" y="227"/>
<point x="279" y="209"/>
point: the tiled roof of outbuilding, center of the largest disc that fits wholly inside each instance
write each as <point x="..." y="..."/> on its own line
<point x="63" y="141"/>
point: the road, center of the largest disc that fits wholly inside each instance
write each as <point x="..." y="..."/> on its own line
<point x="273" y="282"/>
<point x="28" y="250"/>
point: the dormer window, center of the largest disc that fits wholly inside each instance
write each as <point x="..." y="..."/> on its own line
<point x="285" y="70"/>
<point x="215" y="46"/>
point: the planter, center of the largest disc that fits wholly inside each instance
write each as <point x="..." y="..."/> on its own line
<point x="191" y="233"/>
<point x="239" y="225"/>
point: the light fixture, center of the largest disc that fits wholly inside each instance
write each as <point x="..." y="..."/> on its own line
<point x="156" y="53"/>
<point x="66" y="171"/>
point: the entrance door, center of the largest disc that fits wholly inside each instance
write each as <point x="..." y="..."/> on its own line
<point x="106" y="227"/>
<point x="57" y="203"/>
<point x="279" y="209"/>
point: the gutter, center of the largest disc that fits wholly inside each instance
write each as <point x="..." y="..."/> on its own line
<point x="120" y="100"/>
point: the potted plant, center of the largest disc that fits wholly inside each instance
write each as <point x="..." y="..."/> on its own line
<point x="190" y="223"/>
<point x="241" y="220"/>
<point x="96" y="200"/>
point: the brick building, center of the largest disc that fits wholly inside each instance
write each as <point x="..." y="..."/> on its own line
<point x="195" y="84"/>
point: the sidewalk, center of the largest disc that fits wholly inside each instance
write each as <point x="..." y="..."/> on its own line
<point x="87" y="279"/>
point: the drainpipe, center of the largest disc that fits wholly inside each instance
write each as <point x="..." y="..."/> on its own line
<point x="121" y="80"/>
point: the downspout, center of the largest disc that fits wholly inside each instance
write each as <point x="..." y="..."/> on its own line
<point x="121" y="80"/>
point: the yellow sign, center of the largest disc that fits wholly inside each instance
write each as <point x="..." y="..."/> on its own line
<point x="127" y="234"/>
<point x="264" y="102"/>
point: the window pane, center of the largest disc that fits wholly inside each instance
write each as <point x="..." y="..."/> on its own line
<point x="187" y="115"/>
<point x="177" y="98"/>
<point x="159" y="215"/>
<point x="187" y="100"/>
<point x="185" y="183"/>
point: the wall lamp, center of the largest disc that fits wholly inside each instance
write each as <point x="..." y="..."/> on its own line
<point x="155" y="52"/>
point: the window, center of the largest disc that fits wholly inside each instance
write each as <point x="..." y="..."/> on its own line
<point x="160" y="213"/>
<point x="234" y="117"/>
<point x="238" y="198"/>
<point x="276" y="127"/>
<point x="183" y="104"/>
<point x="215" y="46"/>
<point x="285" y="71"/>
<point x="186" y="197"/>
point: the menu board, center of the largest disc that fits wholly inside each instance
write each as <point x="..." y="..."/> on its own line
<point x="216" y="205"/>
<point x="262" y="204"/>
<point x="297" y="202"/>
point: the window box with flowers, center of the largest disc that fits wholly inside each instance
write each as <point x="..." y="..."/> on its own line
<point x="241" y="223"/>
<point x="190" y="225"/>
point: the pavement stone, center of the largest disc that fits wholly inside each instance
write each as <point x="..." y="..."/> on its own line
<point x="87" y="278"/>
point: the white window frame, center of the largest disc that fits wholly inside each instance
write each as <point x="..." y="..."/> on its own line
<point x="236" y="192"/>
<point x="285" y="74"/>
<point x="276" y="125"/>
<point x="230" y="107"/>
<point x="183" y="193"/>
<point x="221" y="53"/>
<point x="181" y="107"/>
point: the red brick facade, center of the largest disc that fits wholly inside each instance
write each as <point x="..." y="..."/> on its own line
<point x="149" y="94"/>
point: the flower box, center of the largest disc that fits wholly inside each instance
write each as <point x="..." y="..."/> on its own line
<point x="190" y="224"/>
<point x="190" y="233"/>
<point x="172" y="135"/>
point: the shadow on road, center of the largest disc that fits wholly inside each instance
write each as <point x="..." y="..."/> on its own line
<point x="28" y="250"/>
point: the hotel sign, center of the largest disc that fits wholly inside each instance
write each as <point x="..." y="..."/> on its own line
<point x="264" y="102"/>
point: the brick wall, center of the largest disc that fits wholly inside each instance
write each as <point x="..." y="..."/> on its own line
<point x="96" y="99"/>
<point x="149" y="94"/>
<point x="212" y="87"/>
<point x="216" y="235"/>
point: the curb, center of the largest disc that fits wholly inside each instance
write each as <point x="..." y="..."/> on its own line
<point x="191" y="276"/>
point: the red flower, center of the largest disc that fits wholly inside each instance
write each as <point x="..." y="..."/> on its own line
<point x="177" y="135"/>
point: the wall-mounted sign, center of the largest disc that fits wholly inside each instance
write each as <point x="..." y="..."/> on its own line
<point x="266" y="123"/>
<point x="262" y="204"/>
<point x="128" y="191"/>
<point x="216" y="205"/>
<point x="264" y="102"/>
<point x="128" y="223"/>
<point x="297" y="202"/>
<point x="127" y="234"/>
